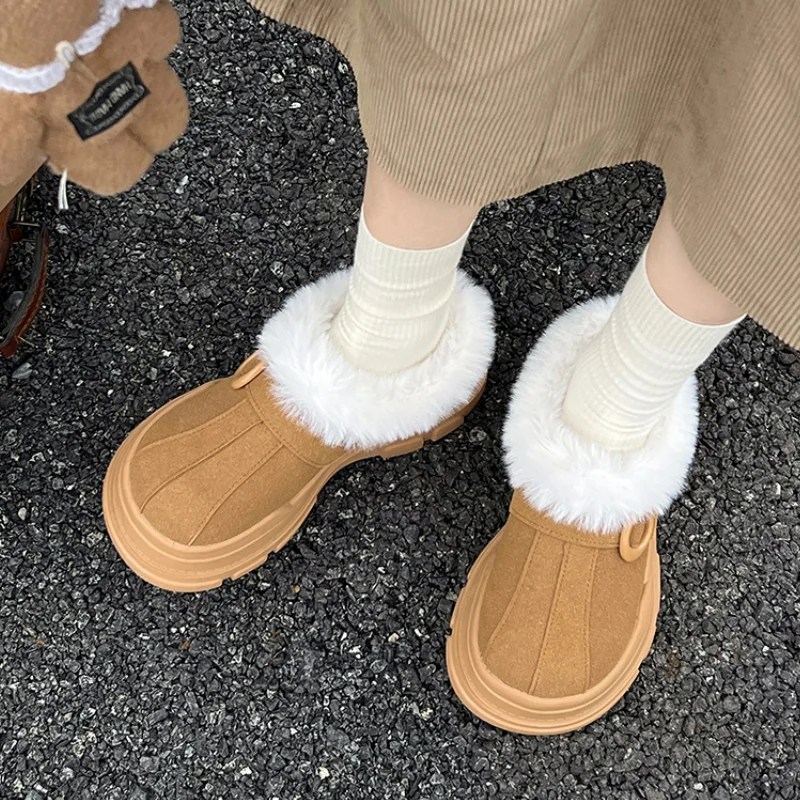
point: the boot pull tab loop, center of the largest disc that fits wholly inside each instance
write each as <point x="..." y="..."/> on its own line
<point x="250" y="369"/>
<point x="629" y="552"/>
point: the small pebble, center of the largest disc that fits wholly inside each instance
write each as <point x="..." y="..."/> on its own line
<point x="13" y="301"/>
<point x="22" y="373"/>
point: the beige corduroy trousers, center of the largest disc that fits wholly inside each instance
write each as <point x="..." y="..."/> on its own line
<point x="470" y="101"/>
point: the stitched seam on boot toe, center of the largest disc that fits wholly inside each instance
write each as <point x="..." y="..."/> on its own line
<point x="273" y="429"/>
<point x="517" y="591"/>
<point x="195" y="463"/>
<point x="586" y="622"/>
<point x="199" y="429"/>
<point x="565" y="552"/>
<point x="236" y="484"/>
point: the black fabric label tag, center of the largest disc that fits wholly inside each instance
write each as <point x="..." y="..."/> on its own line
<point x="112" y="99"/>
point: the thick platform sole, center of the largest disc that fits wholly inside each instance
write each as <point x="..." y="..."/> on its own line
<point x="508" y="708"/>
<point x="193" y="568"/>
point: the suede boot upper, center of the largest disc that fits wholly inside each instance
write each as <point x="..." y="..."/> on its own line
<point x="560" y="605"/>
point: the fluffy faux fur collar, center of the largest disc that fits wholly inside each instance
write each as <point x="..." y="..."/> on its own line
<point x="570" y="478"/>
<point x="350" y="407"/>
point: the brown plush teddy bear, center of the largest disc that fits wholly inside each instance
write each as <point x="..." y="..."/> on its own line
<point x="84" y="86"/>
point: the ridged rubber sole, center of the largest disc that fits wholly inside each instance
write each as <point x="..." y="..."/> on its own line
<point x="193" y="568"/>
<point x="508" y="708"/>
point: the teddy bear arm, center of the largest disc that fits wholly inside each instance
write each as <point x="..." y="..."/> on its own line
<point x="165" y="111"/>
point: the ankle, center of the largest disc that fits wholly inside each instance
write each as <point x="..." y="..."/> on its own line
<point x="627" y="378"/>
<point x="397" y="306"/>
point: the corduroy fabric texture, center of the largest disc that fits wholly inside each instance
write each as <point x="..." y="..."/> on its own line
<point x="470" y="102"/>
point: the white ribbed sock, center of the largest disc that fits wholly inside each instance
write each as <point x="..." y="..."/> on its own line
<point x="629" y="375"/>
<point x="397" y="304"/>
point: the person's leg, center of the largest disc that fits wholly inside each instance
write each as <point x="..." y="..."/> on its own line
<point x="404" y="273"/>
<point x="678" y="284"/>
<point x="668" y="321"/>
<point x="375" y="360"/>
<point x="560" y="609"/>
<point x="401" y="218"/>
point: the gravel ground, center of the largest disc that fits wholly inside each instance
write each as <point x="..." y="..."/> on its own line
<point x="322" y="673"/>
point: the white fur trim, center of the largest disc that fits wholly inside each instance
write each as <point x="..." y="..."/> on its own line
<point x="349" y="407"/>
<point x="570" y="478"/>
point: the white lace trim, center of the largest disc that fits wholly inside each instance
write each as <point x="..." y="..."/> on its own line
<point x="44" y="77"/>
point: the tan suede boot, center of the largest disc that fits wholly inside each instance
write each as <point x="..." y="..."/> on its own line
<point x="560" y="608"/>
<point x="549" y="632"/>
<point x="210" y="485"/>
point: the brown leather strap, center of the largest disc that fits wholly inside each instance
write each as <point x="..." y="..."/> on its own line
<point x="22" y="317"/>
<point x="5" y="235"/>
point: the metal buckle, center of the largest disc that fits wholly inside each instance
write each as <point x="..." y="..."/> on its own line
<point x="626" y="550"/>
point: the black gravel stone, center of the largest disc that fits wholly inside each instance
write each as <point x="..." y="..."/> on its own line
<point x="322" y="673"/>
